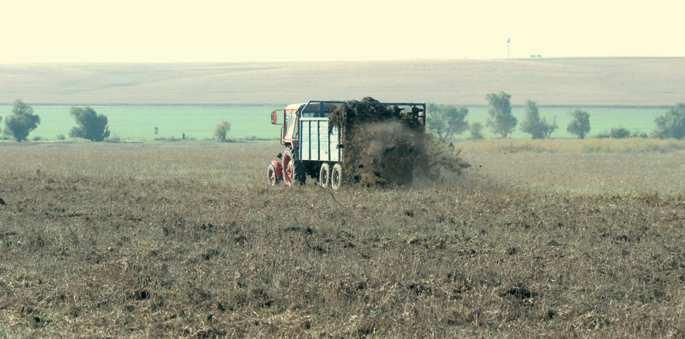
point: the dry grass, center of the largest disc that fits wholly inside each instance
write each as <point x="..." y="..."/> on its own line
<point x="632" y="145"/>
<point x="629" y="166"/>
<point x="186" y="240"/>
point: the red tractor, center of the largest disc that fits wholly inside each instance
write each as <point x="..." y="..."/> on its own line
<point x="311" y="148"/>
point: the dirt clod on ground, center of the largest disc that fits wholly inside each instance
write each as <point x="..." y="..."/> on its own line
<point x="386" y="145"/>
<point x="520" y="292"/>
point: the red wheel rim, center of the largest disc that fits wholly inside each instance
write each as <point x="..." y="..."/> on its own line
<point x="288" y="169"/>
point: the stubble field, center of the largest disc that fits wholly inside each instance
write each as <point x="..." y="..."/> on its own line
<point x="551" y="239"/>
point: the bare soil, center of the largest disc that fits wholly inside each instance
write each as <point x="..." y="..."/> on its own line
<point x="188" y="240"/>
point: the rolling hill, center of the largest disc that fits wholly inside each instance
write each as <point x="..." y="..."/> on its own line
<point x="582" y="81"/>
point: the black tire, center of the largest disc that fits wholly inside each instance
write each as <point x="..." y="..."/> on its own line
<point x="325" y="175"/>
<point x="336" y="177"/>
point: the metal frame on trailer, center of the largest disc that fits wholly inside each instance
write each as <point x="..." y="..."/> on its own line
<point x="321" y="120"/>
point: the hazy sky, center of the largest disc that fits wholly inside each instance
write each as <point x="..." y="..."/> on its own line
<point x="237" y="30"/>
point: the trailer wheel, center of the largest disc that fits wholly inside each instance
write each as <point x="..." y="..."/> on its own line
<point x="288" y="165"/>
<point x="325" y="175"/>
<point x="336" y="177"/>
<point x="271" y="175"/>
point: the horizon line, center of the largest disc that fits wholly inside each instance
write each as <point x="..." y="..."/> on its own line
<point x="110" y="62"/>
<point x="278" y="104"/>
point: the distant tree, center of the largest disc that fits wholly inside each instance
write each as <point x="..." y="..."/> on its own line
<point x="476" y="131"/>
<point x="672" y="123"/>
<point x="534" y="125"/>
<point x="221" y="131"/>
<point x="580" y="124"/>
<point x="619" y="133"/>
<point x="501" y="121"/>
<point x="447" y="120"/>
<point x="22" y="121"/>
<point x="90" y="124"/>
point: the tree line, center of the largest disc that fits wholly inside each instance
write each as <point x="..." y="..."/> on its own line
<point x="89" y="124"/>
<point x="448" y="121"/>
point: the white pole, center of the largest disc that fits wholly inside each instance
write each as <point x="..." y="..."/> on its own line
<point x="508" y="47"/>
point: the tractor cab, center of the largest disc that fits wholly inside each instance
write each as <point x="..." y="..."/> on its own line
<point x="287" y="118"/>
<point x="290" y="115"/>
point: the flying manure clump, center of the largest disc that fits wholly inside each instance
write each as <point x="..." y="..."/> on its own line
<point x="385" y="144"/>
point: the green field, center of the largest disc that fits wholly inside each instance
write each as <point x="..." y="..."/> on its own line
<point x="137" y="122"/>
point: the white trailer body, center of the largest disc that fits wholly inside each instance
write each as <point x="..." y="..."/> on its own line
<point x="317" y="142"/>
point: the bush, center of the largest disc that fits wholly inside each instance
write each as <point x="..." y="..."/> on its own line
<point x="447" y="120"/>
<point x="672" y="123"/>
<point x="90" y="124"/>
<point x="501" y="121"/>
<point x="476" y="131"/>
<point x="619" y="133"/>
<point x="22" y="121"/>
<point x="580" y="125"/>
<point x="221" y="131"/>
<point x="61" y="137"/>
<point x="534" y="125"/>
